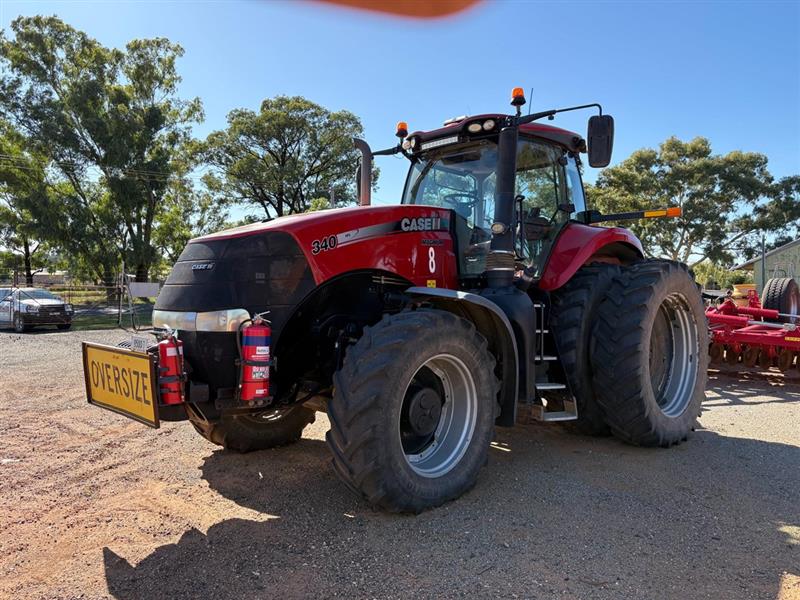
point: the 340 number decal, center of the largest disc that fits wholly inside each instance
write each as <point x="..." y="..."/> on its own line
<point x="324" y="244"/>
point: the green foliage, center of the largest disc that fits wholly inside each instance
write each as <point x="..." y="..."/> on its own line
<point x="23" y="185"/>
<point x="283" y="156"/>
<point x="713" y="190"/>
<point x="112" y="127"/>
<point x="321" y="203"/>
<point x="714" y="276"/>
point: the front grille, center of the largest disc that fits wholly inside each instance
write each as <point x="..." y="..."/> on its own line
<point x="261" y="272"/>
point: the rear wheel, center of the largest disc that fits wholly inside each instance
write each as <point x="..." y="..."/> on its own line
<point x="256" y="431"/>
<point x="413" y="411"/>
<point x="573" y="313"/>
<point x="783" y="295"/>
<point x="650" y="354"/>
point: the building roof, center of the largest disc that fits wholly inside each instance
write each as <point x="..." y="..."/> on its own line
<point x="748" y="266"/>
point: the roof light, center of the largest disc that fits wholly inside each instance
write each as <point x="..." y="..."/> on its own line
<point x="439" y="142"/>
<point x="402" y="129"/>
<point x="517" y="96"/>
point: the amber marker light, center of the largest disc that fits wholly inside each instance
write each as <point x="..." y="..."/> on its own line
<point x="402" y="129"/>
<point x="675" y="211"/>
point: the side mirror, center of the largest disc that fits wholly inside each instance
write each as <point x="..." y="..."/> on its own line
<point x="600" y="140"/>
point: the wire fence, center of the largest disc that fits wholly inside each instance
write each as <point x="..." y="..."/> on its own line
<point x="66" y="305"/>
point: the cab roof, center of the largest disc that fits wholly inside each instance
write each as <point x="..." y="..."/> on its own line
<point x="567" y="139"/>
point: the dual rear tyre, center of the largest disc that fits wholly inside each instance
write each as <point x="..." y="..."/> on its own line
<point x="649" y="354"/>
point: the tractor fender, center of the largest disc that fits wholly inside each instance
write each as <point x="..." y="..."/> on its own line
<point x="580" y="244"/>
<point x="490" y="320"/>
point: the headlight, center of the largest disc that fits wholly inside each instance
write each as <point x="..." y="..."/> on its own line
<point x="474" y="127"/>
<point x="488" y="124"/>
<point x="218" y="320"/>
<point x="68" y="307"/>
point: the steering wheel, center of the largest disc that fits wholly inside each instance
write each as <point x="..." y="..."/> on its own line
<point x="452" y="199"/>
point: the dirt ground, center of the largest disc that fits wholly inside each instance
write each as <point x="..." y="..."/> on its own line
<point x="93" y="505"/>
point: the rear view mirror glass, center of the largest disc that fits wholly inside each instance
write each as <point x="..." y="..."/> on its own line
<point x="600" y="140"/>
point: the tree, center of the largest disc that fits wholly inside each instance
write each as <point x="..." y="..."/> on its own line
<point x="284" y="156"/>
<point x="782" y="214"/>
<point x="717" y="194"/>
<point x="22" y="185"/>
<point x="109" y="121"/>
<point x="717" y="277"/>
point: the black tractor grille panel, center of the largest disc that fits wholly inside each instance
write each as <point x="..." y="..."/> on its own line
<point x="259" y="272"/>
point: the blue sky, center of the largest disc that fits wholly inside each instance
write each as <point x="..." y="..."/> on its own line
<point x="729" y="71"/>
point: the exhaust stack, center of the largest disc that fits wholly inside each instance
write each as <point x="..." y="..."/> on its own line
<point x="364" y="173"/>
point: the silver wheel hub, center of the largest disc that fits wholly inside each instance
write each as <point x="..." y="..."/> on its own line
<point x="674" y="355"/>
<point x="438" y="416"/>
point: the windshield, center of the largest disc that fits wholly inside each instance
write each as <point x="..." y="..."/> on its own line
<point x="462" y="178"/>
<point x="37" y="295"/>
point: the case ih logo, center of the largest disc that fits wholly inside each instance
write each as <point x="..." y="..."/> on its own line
<point x="421" y="224"/>
<point x="202" y="266"/>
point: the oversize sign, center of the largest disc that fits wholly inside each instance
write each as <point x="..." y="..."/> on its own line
<point x="122" y="381"/>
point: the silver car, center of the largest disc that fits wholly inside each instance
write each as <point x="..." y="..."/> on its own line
<point x="24" y="308"/>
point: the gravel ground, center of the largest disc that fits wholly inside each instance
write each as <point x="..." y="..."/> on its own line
<point x="93" y="505"/>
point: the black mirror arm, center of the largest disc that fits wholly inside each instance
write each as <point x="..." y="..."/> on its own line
<point x="551" y="113"/>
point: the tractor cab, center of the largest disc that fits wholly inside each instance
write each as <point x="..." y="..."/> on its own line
<point x="512" y="185"/>
<point x="462" y="176"/>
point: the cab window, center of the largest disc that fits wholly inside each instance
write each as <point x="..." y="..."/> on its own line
<point x="574" y="184"/>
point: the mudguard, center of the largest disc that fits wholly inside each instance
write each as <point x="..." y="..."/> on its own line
<point x="580" y="244"/>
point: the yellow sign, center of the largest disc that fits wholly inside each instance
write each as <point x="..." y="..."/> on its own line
<point x="431" y="283"/>
<point x="121" y="380"/>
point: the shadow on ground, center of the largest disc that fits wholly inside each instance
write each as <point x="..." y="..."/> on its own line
<point x="553" y="514"/>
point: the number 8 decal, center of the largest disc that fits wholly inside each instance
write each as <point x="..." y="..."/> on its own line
<point x="432" y="259"/>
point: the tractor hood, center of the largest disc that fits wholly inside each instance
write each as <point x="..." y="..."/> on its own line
<point x="345" y="239"/>
<point x="312" y="220"/>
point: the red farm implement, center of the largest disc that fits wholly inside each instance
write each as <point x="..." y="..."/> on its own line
<point x="756" y="334"/>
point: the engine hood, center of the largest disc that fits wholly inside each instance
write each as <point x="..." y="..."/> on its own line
<point x="41" y="302"/>
<point x="312" y="220"/>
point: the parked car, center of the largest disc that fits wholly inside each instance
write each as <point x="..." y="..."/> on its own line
<point x="23" y="308"/>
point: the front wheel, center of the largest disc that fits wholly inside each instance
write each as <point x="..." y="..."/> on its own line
<point x="413" y="411"/>
<point x="19" y="324"/>
<point x="650" y="354"/>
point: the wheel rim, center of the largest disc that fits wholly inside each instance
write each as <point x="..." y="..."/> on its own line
<point x="438" y="416"/>
<point x="674" y="355"/>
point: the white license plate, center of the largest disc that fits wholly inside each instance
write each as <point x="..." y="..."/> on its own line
<point x="139" y="343"/>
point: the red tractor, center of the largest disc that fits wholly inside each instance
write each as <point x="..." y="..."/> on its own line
<point x="420" y="327"/>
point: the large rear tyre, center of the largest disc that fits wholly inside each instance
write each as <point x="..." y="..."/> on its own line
<point x="413" y="411"/>
<point x="572" y="316"/>
<point x="650" y="354"/>
<point x="783" y="295"/>
<point x="255" y="431"/>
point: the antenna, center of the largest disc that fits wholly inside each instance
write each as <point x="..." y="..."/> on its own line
<point x="530" y="102"/>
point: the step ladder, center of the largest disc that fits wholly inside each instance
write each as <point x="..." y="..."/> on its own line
<point x="552" y="394"/>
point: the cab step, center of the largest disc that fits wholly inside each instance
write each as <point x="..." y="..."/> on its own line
<point x="570" y="413"/>
<point x="546" y="385"/>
